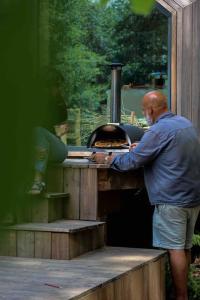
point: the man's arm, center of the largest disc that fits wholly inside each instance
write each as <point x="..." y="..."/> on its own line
<point x="146" y="150"/>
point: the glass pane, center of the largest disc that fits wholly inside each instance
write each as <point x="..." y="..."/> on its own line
<point x="85" y="39"/>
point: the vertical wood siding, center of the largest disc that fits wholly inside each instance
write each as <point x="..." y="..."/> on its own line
<point x="186" y="73"/>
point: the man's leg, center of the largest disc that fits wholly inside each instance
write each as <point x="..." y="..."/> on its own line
<point x="179" y="268"/>
<point x="188" y="256"/>
<point x="173" y="228"/>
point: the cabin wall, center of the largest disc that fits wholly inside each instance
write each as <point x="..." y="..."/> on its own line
<point x="187" y="28"/>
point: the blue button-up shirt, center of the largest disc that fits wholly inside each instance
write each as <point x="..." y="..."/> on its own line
<point x="170" y="154"/>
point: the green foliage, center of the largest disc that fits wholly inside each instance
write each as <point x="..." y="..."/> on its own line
<point x="103" y="2"/>
<point x="196" y="240"/>
<point x="137" y="41"/>
<point x="86" y="37"/>
<point x="142" y="7"/>
<point x="77" y="56"/>
<point x="194" y="284"/>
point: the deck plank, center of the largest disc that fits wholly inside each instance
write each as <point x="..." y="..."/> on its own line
<point x="85" y="277"/>
<point x="57" y="226"/>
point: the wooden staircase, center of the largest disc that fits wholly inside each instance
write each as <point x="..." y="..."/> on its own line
<point x="62" y="239"/>
<point x="43" y="230"/>
<point x="53" y="232"/>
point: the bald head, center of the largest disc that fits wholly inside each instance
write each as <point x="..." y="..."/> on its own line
<point x="155" y="99"/>
<point x="154" y="104"/>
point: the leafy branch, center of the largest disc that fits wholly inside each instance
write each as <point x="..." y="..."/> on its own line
<point x="140" y="7"/>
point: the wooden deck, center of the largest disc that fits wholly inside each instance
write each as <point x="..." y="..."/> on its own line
<point x="106" y="274"/>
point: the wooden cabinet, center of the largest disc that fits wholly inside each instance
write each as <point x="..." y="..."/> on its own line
<point x="84" y="182"/>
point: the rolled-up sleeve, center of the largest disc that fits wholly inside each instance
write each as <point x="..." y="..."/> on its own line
<point x="148" y="148"/>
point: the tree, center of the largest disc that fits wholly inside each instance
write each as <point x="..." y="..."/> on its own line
<point x="137" y="41"/>
<point x="74" y="51"/>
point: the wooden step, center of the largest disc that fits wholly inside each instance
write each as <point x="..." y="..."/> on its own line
<point x="64" y="239"/>
<point x="49" y="207"/>
<point x="43" y="208"/>
<point x="110" y="273"/>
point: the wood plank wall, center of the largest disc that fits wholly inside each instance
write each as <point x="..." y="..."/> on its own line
<point x="187" y="29"/>
<point x="146" y="282"/>
<point x="196" y="65"/>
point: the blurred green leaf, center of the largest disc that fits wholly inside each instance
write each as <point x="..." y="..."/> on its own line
<point x="103" y="2"/>
<point x="142" y="7"/>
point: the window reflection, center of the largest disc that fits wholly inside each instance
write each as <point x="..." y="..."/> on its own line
<point x="92" y="38"/>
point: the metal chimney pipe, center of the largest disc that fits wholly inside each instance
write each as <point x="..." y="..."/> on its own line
<point x="115" y="103"/>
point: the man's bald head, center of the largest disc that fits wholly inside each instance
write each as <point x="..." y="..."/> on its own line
<point x="154" y="104"/>
<point x="155" y="99"/>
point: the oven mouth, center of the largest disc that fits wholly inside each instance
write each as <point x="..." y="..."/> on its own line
<point x="109" y="136"/>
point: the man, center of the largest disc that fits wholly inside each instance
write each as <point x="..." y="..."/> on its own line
<point x="170" y="154"/>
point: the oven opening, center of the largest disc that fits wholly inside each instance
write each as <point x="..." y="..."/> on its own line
<point x="109" y="136"/>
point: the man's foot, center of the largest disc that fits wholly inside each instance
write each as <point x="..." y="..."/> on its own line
<point x="37" y="188"/>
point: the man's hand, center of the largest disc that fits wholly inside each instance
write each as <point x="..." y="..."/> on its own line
<point x="102" y="158"/>
<point x="132" y="146"/>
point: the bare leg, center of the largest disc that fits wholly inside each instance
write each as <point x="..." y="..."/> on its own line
<point x="179" y="268"/>
<point x="188" y="256"/>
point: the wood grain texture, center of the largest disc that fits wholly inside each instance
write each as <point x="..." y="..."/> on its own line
<point x="72" y="186"/>
<point x="179" y="59"/>
<point x="8" y="243"/>
<point x="112" y="180"/>
<point x="106" y="292"/>
<point x="55" y="209"/>
<point x="47" y="209"/>
<point x="138" y="291"/>
<point x="186" y="44"/>
<point x="88" y="194"/>
<point x="183" y="3"/>
<point x="174" y="61"/>
<point x="60" y="245"/>
<point x="88" y="277"/>
<point x="162" y="277"/>
<point x="25" y="244"/>
<point x="172" y="7"/>
<point x="68" y="226"/>
<point x="98" y="237"/>
<point x="42" y="245"/>
<point x="155" y="279"/>
<point x="129" y="286"/>
<point x="187" y="41"/>
<point x="40" y="210"/>
<point x="91" y="296"/>
<point x="196" y="66"/>
<point x="54" y="179"/>
<point x="171" y="3"/>
<point x="79" y="244"/>
<point x="58" y="240"/>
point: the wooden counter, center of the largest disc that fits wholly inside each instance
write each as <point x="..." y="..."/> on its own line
<point x="84" y="180"/>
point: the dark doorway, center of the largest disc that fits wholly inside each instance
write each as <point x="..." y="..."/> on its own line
<point x="130" y="224"/>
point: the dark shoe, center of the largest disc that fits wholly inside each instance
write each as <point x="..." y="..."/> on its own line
<point x="37" y="188"/>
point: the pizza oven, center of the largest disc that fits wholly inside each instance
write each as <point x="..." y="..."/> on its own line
<point x="115" y="135"/>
